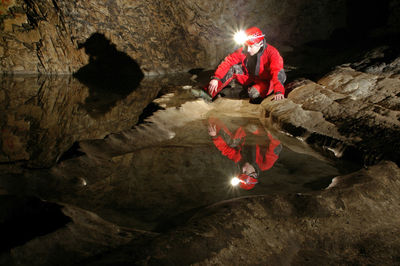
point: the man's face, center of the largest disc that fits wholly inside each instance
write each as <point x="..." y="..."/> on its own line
<point x="248" y="169"/>
<point x="253" y="49"/>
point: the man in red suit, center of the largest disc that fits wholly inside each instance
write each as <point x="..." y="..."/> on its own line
<point x="257" y="66"/>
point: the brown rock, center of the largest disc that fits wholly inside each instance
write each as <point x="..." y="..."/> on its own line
<point x="164" y="37"/>
<point x="350" y="107"/>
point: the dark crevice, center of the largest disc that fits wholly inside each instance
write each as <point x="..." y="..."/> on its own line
<point x="72" y="152"/>
<point x="25" y="218"/>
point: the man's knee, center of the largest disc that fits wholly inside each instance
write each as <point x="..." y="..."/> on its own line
<point x="282" y="76"/>
<point x="253" y="93"/>
<point x="235" y="69"/>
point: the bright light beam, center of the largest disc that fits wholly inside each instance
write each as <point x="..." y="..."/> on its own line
<point x="240" y="37"/>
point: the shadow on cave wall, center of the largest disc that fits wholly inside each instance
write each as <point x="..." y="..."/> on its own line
<point x="110" y="75"/>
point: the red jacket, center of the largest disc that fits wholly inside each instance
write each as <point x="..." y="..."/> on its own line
<point x="268" y="66"/>
<point x="265" y="157"/>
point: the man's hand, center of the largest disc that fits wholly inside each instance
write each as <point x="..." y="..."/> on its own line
<point x="213" y="86"/>
<point x="277" y="97"/>
<point x="212" y="130"/>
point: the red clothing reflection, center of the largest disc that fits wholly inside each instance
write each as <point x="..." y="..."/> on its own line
<point x="261" y="153"/>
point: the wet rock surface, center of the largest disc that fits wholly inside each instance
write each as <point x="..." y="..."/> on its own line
<point x="353" y="109"/>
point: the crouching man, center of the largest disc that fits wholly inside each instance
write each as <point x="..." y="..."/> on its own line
<point x="257" y="66"/>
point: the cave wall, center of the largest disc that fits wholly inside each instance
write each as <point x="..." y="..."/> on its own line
<point x="162" y="36"/>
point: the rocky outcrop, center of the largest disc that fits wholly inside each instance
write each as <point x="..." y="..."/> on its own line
<point x="44" y="36"/>
<point x="354" y="108"/>
<point x="36" y="40"/>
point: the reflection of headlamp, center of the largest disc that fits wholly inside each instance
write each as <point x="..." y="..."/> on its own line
<point x="244" y="181"/>
<point x="235" y="181"/>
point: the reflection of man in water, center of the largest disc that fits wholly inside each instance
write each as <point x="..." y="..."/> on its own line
<point x="252" y="159"/>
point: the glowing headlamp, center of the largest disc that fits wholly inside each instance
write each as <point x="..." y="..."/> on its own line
<point x="240" y="37"/>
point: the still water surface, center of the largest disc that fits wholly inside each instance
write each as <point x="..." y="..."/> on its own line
<point x="144" y="157"/>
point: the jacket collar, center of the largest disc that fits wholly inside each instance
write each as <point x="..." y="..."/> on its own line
<point x="259" y="54"/>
